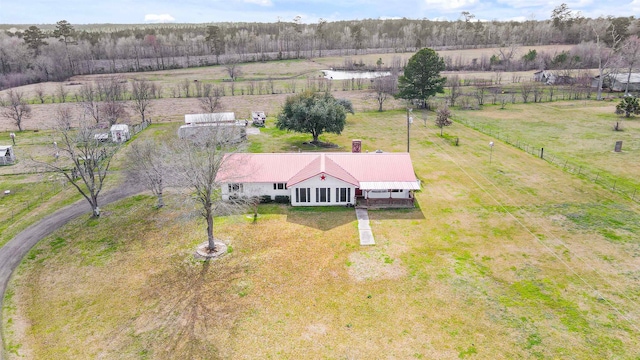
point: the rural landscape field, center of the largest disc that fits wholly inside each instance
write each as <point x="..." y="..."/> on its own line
<point x="524" y="241"/>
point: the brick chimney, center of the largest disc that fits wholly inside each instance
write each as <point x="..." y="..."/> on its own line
<point x="356" y="146"/>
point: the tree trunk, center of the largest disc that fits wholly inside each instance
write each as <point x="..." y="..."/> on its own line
<point x="315" y="137"/>
<point x="212" y="243"/>
<point x="600" y="82"/>
<point x="94" y="206"/>
<point x="160" y="200"/>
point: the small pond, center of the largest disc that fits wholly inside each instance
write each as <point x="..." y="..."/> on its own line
<point x="345" y="75"/>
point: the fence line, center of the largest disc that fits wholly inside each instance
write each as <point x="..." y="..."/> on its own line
<point x="14" y="212"/>
<point x="597" y="177"/>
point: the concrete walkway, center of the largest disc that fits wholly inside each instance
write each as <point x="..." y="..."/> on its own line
<point x="366" y="236"/>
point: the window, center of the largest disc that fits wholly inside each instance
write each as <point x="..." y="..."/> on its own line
<point x="323" y="194"/>
<point x="279" y="186"/>
<point x="235" y="187"/>
<point x="343" y="194"/>
<point x="303" y="195"/>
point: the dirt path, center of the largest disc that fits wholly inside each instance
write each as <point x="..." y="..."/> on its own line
<point x="11" y="254"/>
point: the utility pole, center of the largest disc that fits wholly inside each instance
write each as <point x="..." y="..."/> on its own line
<point x="409" y="121"/>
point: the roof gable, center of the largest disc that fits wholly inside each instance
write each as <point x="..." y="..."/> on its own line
<point x="322" y="164"/>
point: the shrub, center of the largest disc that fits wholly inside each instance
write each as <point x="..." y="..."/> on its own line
<point x="282" y="199"/>
<point x="265" y="199"/>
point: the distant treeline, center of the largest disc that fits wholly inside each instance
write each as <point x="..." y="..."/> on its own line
<point x="31" y="54"/>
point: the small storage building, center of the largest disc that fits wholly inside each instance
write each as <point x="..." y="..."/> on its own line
<point x="120" y="133"/>
<point x="7" y="155"/>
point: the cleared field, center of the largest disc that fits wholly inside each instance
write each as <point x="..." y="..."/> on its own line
<point x="513" y="259"/>
<point x="287" y="76"/>
<point x="579" y="131"/>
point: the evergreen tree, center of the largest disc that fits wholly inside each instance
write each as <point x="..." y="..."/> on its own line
<point x="421" y="77"/>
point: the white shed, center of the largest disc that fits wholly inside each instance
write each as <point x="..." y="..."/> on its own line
<point x="7" y="156"/>
<point x="120" y="133"/>
<point x="222" y="117"/>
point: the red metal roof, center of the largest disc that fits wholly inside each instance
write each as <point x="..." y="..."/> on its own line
<point x="293" y="168"/>
<point x="322" y="165"/>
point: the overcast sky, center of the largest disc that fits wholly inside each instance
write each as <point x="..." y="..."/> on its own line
<point x="203" y="11"/>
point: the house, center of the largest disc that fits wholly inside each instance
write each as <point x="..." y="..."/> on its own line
<point x="120" y="133"/>
<point x="322" y="179"/>
<point x="618" y="82"/>
<point x="196" y="123"/>
<point x="7" y="156"/>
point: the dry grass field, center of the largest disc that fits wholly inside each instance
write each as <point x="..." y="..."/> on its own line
<point x="508" y="259"/>
<point x="283" y="73"/>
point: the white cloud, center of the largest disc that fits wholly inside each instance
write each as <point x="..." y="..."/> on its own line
<point x="159" y="18"/>
<point x="260" y="2"/>
<point x="450" y="4"/>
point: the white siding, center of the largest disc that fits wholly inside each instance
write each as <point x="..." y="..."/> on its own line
<point x="329" y="183"/>
<point x="255" y="189"/>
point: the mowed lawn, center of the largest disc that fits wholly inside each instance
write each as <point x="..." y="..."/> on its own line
<point x="508" y="259"/>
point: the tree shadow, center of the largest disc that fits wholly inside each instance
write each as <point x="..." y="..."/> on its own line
<point x="189" y="309"/>
<point x="321" y="218"/>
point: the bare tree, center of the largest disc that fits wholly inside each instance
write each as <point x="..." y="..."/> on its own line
<point x="199" y="160"/>
<point x="111" y="91"/>
<point x="552" y="90"/>
<point x="61" y="93"/>
<point x="443" y="118"/>
<point x="15" y="107"/>
<point x="39" y="90"/>
<point x="453" y="82"/>
<point x="186" y="87"/>
<point x="64" y="117"/>
<point x="538" y="92"/>
<point x="479" y="94"/>
<point x="90" y="101"/>
<point x="385" y="87"/>
<point x="525" y="91"/>
<point x="142" y="92"/>
<point x="148" y="165"/>
<point x="605" y="54"/>
<point x="630" y="51"/>
<point x="210" y="100"/>
<point x="113" y="111"/>
<point x="83" y="159"/>
<point x="233" y="68"/>
<point x="507" y="54"/>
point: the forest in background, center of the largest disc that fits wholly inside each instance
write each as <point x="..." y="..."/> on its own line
<point x="31" y="54"/>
